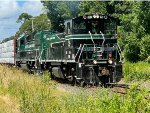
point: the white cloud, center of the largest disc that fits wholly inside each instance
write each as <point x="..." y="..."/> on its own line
<point x="10" y="11"/>
<point x="33" y="7"/>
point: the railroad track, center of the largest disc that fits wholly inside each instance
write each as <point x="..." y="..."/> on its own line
<point x="123" y="89"/>
<point x="120" y="88"/>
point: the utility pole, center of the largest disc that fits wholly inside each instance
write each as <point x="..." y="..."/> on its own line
<point x="32" y="24"/>
<point x="32" y="27"/>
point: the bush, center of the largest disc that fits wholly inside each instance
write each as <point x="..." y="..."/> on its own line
<point x="145" y="47"/>
<point x="148" y="59"/>
<point x="132" y="51"/>
<point x="136" y="71"/>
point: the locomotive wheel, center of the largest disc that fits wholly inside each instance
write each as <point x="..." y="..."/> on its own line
<point x="91" y="78"/>
<point x="52" y="76"/>
<point x="38" y="72"/>
<point x="104" y="81"/>
<point x="71" y="80"/>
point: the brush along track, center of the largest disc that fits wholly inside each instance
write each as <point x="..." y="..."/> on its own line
<point x="65" y="86"/>
<point x="75" y="88"/>
<point x="123" y="89"/>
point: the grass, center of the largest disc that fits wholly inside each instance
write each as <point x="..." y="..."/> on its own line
<point x="23" y="93"/>
<point x="33" y="94"/>
<point x="136" y="71"/>
<point x="102" y="101"/>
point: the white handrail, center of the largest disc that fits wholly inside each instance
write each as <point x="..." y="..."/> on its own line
<point x="81" y="52"/>
<point x="119" y="49"/>
<point x="78" y="51"/>
<point x="103" y="39"/>
<point x="92" y="39"/>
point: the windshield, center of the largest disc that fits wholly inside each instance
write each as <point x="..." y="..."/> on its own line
<point x="95" y="26"/>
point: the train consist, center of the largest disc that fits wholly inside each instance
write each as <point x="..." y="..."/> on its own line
<point x="86" y="52"/>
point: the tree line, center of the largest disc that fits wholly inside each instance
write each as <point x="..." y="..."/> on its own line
<point x="133" y="30"/>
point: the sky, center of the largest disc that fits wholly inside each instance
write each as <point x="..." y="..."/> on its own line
<point x="10" y="11"/>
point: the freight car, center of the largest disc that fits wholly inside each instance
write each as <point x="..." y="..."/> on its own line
<point x="8" y="52"/>
<point x="86" y="52"/>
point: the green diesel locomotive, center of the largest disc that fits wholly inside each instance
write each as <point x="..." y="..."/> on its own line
<point x="86" y="52"/>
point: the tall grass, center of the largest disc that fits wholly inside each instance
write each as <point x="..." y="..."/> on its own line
<point x="105" y="102"/>
<point x="38" y="94"/>
<point x="33" y="93"/>
<point x="136" y="71"/>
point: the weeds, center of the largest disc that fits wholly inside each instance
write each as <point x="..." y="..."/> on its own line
<point x="38" y="94"/>
<point x="136" y="71"/>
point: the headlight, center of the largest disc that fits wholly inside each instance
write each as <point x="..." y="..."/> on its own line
<point x="72" y="69"/>
<point x="110" y="61"/>
<point x="94" y="61"/>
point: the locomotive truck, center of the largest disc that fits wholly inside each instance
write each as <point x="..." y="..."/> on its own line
<point x="86" y="52"/>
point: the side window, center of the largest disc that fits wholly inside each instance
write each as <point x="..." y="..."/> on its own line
<point x="29" y="38"/>
<point x="68" y="28"/>
<point x="79" y="24"/>
<point x="22" y="42"/>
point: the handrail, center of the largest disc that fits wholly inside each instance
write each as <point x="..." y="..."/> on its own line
<point x="57" y="36"/>
<point x="103" y="40"/>
<point x="92" y="39"/>
<point x="78" y="51"/>
<point x="119" y="50"/>
<point x="41" y="54"/>
<point x="81" y="52"/>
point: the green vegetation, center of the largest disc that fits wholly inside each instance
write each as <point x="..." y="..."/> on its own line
<point x="38" y="23"/>
<point x="23" y="93"/>
<point x="136" y="71"/>
<point x="102" y="101"/>
<point x="58" y="11"/>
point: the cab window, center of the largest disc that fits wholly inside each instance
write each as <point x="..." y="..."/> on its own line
<point x="22" y="42"/>
<point x="68" y="28"/>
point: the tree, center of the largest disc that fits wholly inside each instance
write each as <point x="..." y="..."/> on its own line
<point x="23" y="17"/>
<point x="54" y="13"/>
<point x="145" y="47"/>
<point x="73" y="7"/>
<point x="90" y="7"/>
<point x="143" y="16"/>
<point x="132" y="49"/>
<point x="58" y="11"/>
<point x="40" y="22"/>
